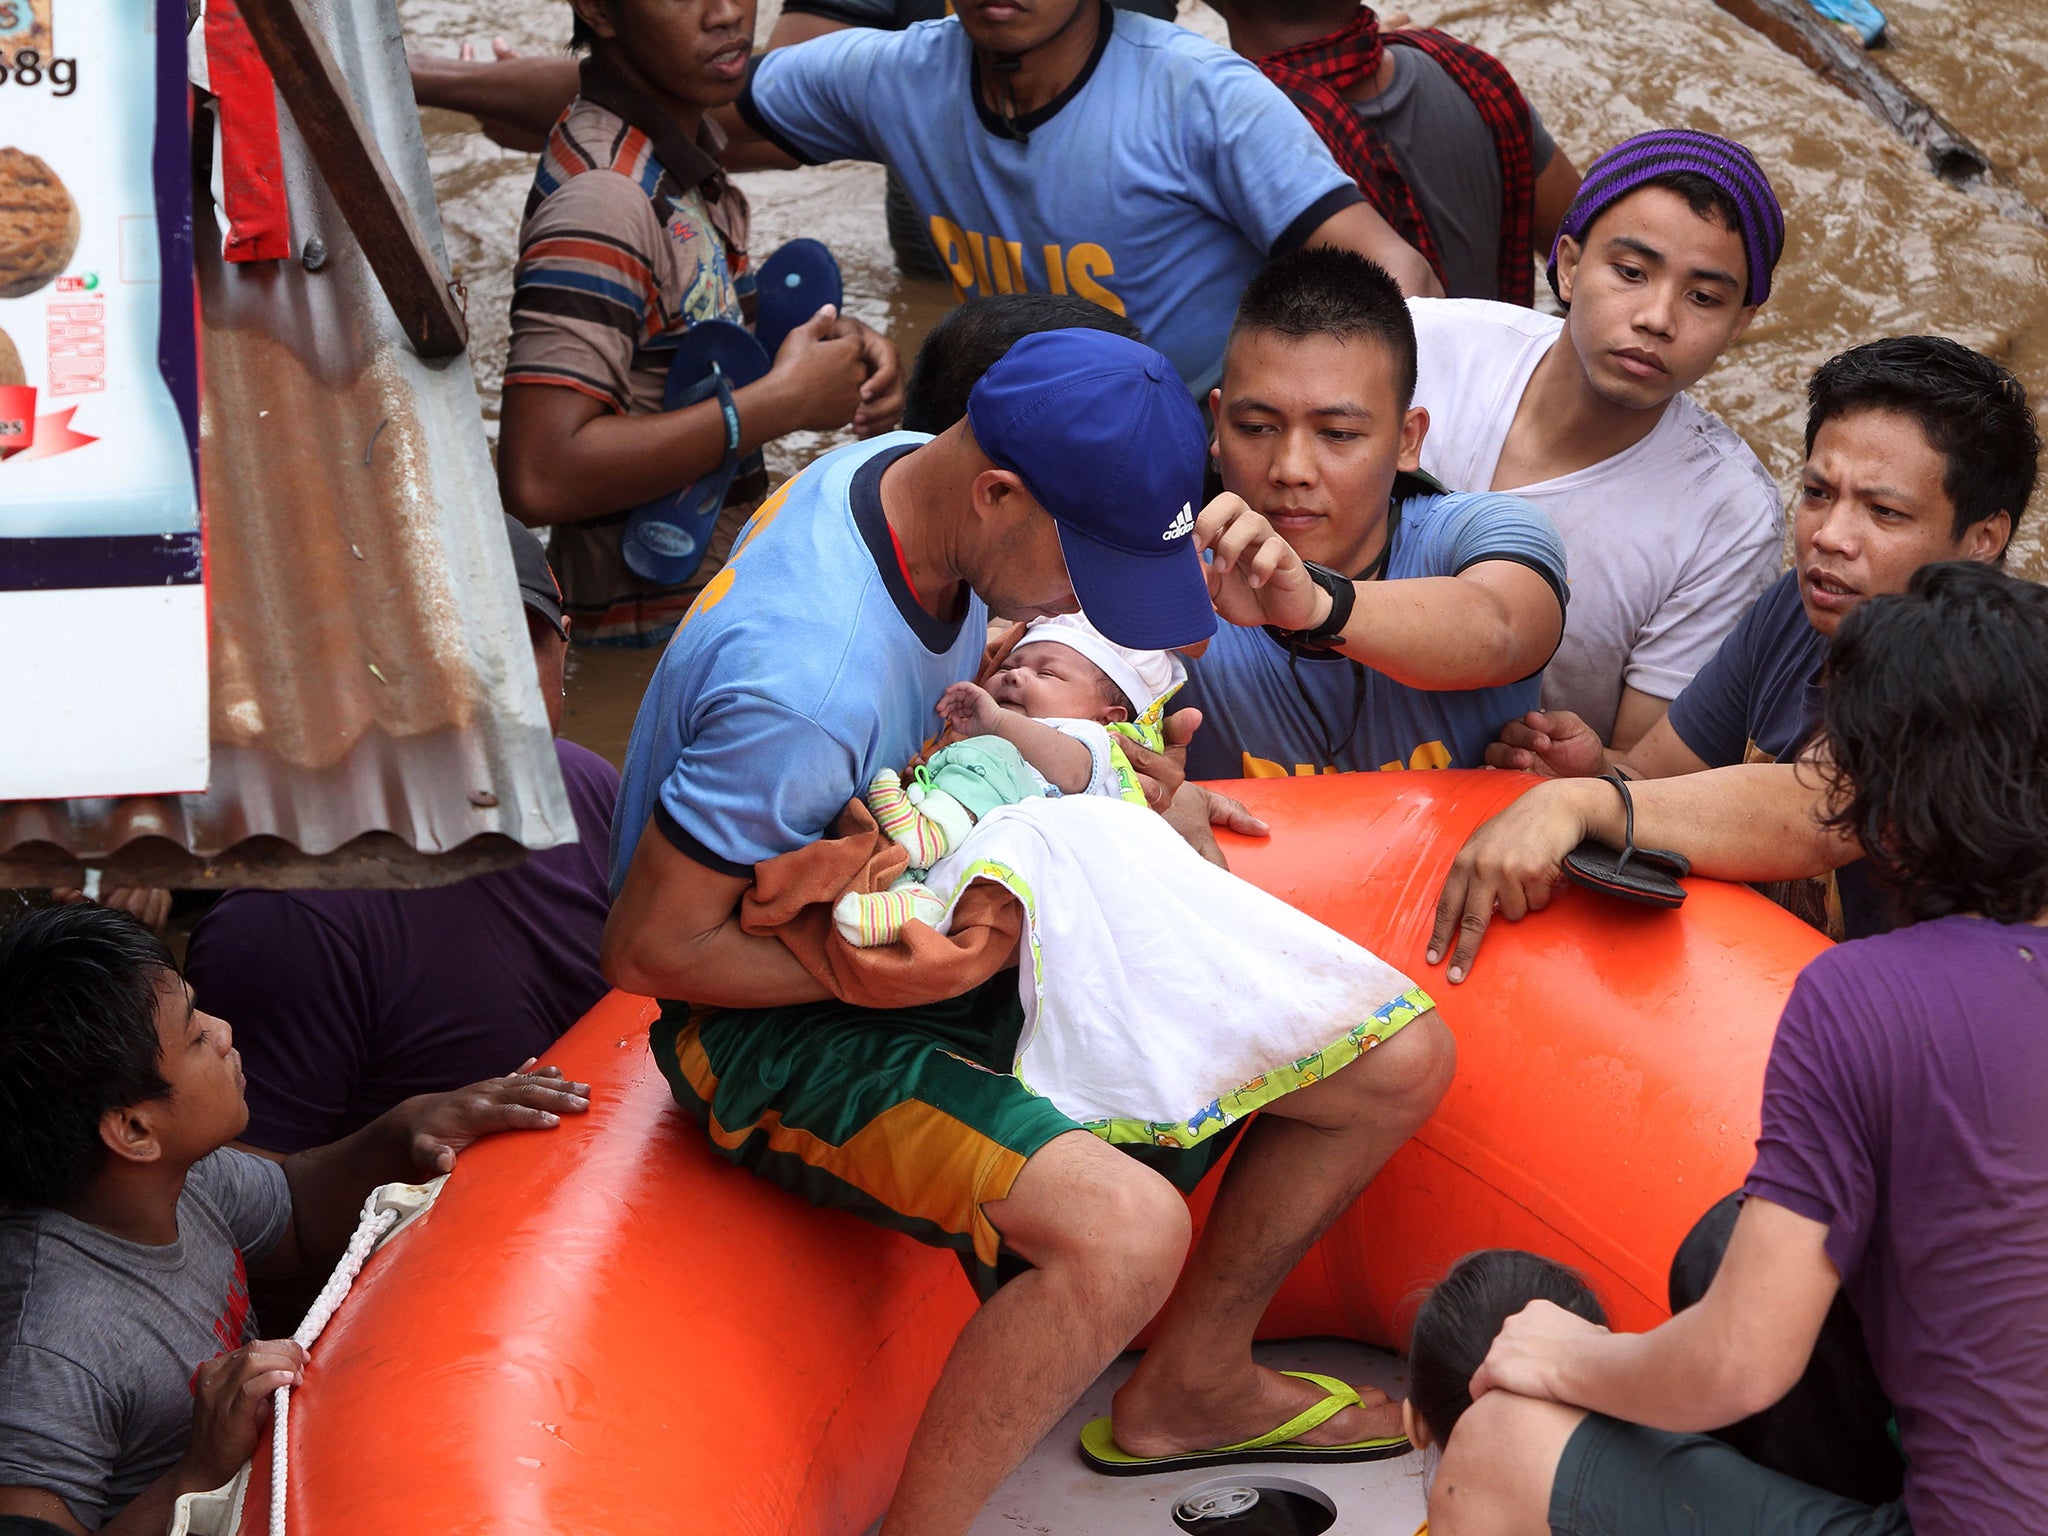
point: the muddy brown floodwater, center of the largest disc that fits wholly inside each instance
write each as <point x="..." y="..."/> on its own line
<point x="1875" y="245"/>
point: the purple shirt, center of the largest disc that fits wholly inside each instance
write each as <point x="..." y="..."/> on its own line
<point x="345" y="1002"/>
<point x="1906" y="1106"/>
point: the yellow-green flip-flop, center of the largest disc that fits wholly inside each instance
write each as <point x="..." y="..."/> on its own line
<point x="1100" y="1450"/>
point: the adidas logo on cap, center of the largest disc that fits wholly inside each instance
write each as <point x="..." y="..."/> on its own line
<point x="1182" y="525"/>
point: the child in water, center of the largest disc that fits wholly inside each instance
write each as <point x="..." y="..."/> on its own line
<point x="1458" y="1323"/>
<point x="1047" y="725"/>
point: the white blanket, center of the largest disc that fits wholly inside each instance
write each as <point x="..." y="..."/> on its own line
<point x="1165" y="997"/>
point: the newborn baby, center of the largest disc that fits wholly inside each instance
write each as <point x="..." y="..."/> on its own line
<point x="1046" y="725"/>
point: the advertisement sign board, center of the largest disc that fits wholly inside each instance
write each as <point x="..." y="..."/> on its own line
<point x="102" y="558"/>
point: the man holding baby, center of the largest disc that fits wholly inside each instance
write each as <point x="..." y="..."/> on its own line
<point x="856" y="597"/>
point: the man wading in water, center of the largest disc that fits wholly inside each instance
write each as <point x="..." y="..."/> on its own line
<point x="1064" y="146"/>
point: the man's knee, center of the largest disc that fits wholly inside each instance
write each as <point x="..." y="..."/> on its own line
<point x="1498" y="1469"/>
<point x="1424" y="1066"/>
<point x="1135" y="1228"/>
<point x="1401" y="1081"/>
<point x="1104" y="1217"/>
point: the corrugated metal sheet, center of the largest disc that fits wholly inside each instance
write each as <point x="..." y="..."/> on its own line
<point x="376" y="717"/>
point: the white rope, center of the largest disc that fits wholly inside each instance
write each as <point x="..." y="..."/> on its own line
<point x="372" y="1227"/>
<point x="1218" y="1504"/>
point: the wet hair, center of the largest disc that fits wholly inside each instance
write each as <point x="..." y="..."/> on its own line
<point x="1463" y="1314"/>
<point x="1324" y="291"/>
<point x="973" y="337"/>
<point x="1975" y="415"/>
<point x="1934" y="713"/>
<point x="78" y="1037"/>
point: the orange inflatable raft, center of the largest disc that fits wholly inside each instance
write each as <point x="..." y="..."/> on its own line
<point x="605" y="1330"/>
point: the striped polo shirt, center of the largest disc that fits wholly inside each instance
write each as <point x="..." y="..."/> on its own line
<point x="620" y="251"/>
<point x="632" y="234"/>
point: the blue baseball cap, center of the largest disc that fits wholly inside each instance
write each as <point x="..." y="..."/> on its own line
<point x="1107" y="439"/>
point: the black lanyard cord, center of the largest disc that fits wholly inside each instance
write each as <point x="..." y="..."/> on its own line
<point x="1330" y="741"/>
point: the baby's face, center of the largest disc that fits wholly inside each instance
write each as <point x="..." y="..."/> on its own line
<point x="1048" y="681"/>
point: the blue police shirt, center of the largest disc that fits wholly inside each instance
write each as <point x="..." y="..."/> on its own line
<point x="803" y="669"/>
<point x="1156" y="184"/>
<point x="1268" y="714"/>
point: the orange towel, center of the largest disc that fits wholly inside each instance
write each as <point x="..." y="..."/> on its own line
<point x="792" y="898"/>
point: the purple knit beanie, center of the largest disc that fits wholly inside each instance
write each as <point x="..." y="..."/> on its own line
<point x="1724" y="162"/>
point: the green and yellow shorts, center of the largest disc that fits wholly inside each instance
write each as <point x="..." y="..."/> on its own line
<point x="907" y="1117"/>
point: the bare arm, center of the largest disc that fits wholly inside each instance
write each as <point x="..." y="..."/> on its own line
<point x="1492" y="623"/>
<point x="525" y="94"/>
<point x="415" y="1139"/>
<point x="41" y="1504"/>
<point x="1059" y="758"/>
<point x="1358" y="228"/>
<point x="230" y="1404"/>
<point x="674" y="932"/>
<point x="1560" y="745"/>
<point x="1554" y="191"/>
<point x="1750" y="822"/>
<point x="1637" y="714"/>
<point x="564" y="456"/>
<point x="793" y="27"/>
<point x="1736" y="1353"/>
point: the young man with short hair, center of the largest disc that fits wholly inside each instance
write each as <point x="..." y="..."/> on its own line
<point x="1438" y="611"/>
<point x="1068" y="147"/>
<point x="130" y="1367"/>
<point x="632" y="235"/>
<point x="1902" y="1160"/>
<point x="1672" y="524"/>
<point x="801" y="20"/>
<point x="869" y="582"/>
<point x="1918" y="450"/>
<point x="1434" y="131"/>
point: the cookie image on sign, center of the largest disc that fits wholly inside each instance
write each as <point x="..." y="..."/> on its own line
<point x="38" y="224"/>
<point x="11" y="371"/>
<point x="24" y="24"/>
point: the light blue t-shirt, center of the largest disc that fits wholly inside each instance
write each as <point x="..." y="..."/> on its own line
<point x="803" y="669"/>
<point x="1268" y="715"/>
<point x="1156" y="184"/>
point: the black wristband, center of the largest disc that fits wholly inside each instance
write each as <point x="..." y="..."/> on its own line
<point x="1330" y="633"/>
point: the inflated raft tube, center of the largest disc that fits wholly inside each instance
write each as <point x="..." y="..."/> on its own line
<point x="605" y="1330"/>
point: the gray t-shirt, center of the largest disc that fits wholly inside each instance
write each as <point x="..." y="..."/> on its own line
<point x="1446" y="152"/>
<point x="99" y="1337"/>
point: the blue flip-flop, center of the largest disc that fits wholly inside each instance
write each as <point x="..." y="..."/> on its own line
<point x="790" y="287"/>
<point x="665" y="539"/>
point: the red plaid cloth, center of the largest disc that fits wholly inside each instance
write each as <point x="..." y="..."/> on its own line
<point x="1315" y="77"/>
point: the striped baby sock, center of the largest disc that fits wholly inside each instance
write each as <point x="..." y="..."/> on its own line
<point x="877" y="918"/>
<point x="901" y="822"/>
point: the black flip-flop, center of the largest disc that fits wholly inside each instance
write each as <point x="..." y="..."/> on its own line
<point x="1648" y="876"/>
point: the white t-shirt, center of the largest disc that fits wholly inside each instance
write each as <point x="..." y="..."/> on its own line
<point x="1668" y="542"/>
